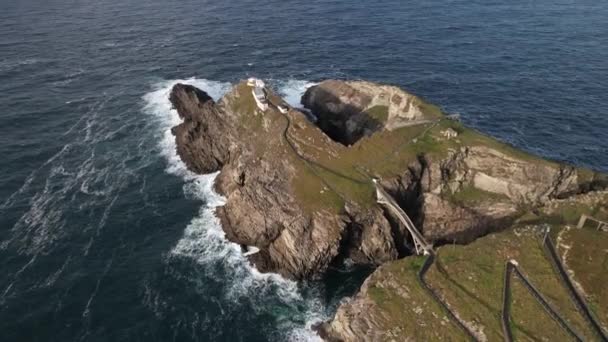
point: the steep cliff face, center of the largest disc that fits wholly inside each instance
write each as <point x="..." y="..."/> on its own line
<point x="478" y="189"/>
<point x="259" y="173"/>
<point x="198" y="143"/>
<point x="303" y="195"/>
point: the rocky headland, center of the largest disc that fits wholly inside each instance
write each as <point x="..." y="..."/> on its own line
<point x="301" y="190"/>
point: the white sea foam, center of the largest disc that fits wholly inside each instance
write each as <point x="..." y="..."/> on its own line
<point x="203" y="239"/>
<point x="157" y="103"/>
<point x="9" y="65"/>
<point x="73" y="180"/>
<point x="292" y="91"/>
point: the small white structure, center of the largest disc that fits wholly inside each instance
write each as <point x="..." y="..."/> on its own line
<point x="250" y="250"/>
<point x="449" y="133"/>
<point x="255" y="82"/>
<point x="259" y="93"/>
<point x="603" y="226"/>
<point x="282" y="109"/>
<point x="455" y="117"/>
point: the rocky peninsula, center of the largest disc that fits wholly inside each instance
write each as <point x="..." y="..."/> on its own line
<point x="300" y="190"/>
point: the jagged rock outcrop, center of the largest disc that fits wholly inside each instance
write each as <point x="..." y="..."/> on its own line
<point x="355" y="319"/>
<point x="257" y="175"/>
<point x="198" y="143"/>
<point x="350" y="110"/>
<point x="494" y="186"/>
<point x="304" y="198"/>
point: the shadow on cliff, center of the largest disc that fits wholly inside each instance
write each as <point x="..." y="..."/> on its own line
<point x="335" y="118"/>
<point x="409" y="192"/>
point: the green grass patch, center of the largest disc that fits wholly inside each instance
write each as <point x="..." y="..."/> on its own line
<point x="470" y="195"/>
<point x="386" y="154"/>
<point x="430" y="110"/>
<point x="351" y="186"/>
<point x="312" y="194"/>
<point x="417" y="262"/>
<point x="588" y="259"/>
<point x="245" y="104"/>
<point x="585" y="175"/>
<point x="379" y="113"/>
<point x="402" y="309"/>
<point x="378" y="295"/>
<point x="471" y="279"/>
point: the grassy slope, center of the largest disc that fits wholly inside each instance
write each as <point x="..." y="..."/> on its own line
<point x="403" y="307"/>
<point x="470" y="278"/>
<point x="587" y="258"/>
<point x="470" y="195"/>
<point x="379" y="113"/>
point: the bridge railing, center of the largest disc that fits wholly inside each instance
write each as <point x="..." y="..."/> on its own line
<point x="384" y="198"/>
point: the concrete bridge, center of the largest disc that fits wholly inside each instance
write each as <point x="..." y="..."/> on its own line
<point x="420" y="243"/>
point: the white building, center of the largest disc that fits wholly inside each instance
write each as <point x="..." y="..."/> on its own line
<point x="259" y="93"/>
<point x="449" y="133"/>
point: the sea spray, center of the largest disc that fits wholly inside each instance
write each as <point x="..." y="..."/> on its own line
<point x="292" y="91"/>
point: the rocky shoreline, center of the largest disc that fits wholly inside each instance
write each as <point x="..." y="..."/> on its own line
<point x="300" y="191"/>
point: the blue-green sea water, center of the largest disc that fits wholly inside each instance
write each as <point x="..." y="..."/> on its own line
<point x="105" y="236"/>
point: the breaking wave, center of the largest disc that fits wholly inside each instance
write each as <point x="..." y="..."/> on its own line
<point x="204" y="241"/>
<point x="292" y="91"/>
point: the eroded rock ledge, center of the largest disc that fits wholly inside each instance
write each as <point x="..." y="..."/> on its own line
<point x="301" y="193"/>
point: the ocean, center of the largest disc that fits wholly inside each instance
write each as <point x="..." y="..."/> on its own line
<point x="106" y="236"/>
